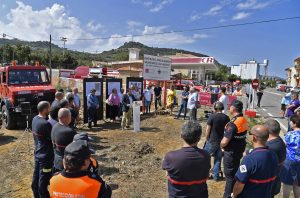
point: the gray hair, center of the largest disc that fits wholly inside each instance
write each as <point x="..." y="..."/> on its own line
<point x="219" y="106"/>
<point x="42" y="106"/>
<point x="59" y="94"/>
<point x="191" y="132"/>
<point x="273" y="126"/>
<point x="64" y="112"/>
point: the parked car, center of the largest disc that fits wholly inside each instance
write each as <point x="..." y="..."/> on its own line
<point x="278" y="86"/>
<point x="296" y="89"/>
<point x="189" y="83"/>
<point x="282" y="88"/>
<point x="287" y="88"/>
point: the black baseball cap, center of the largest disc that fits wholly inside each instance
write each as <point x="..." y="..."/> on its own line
<point x="238" y="105"/>
<point x="78" y="149"/>
<point x="82" y="136"/>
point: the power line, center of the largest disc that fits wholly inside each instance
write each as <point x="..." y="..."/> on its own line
<point x="189" y="30"/>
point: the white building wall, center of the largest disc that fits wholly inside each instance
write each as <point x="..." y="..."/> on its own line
<point x="293" y="81"/>
<point x="249" y="70"/>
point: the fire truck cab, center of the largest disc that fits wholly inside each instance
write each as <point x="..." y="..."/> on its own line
<point x="21" y="89"/>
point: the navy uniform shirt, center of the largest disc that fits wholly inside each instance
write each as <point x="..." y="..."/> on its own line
<point x="236" y="132"/>
<point x="258" y="172"/>
<point x="188" y="170"/>
<point x="41" y="130"/>
<point x="61" y="137"/>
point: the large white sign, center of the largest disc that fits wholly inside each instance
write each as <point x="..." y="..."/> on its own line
<point x="156" y="68"/>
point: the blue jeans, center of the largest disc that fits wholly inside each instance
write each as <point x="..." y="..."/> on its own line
<point x="183" y="106"/>
<point x="216" y="152"/>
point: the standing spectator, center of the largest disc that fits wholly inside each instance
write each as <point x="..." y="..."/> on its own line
<point x="171" y="94"/>
<point x="214" y="134"/>
<point x="61" y="136"/>
<point x="136" y="92"/>
<point x="224" y="99"/>
<point x="77" y="102"/>
<point x="237" y="92"/>
<point x="277" y="145"/>
<point x="115" y="101"/>
<point x="290" y="174"/>
<point x="147" y="99"/>
<point x="72" y="110"/>
<point x="294" y="104"/>
<point x="43" y="151"/>
<point x="157" y="94"/>
<point x="259" y="95"/>
<point x="92" y="106"/>
<point x="75" y="180"/>
<point x="285" y="101"/>
<point x="258" y="170"/>
<point x="184" y="101"/>
<point x="53" y="115"/>
<point x="188" y="167"/>
<point x="125" y="105"/>
<point x="233" y="144"/>
<point x="120" y="106"/>
<point x="192" y="104"/>
<point x="58" y="97"/>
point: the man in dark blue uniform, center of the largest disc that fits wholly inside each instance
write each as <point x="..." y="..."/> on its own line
<point x="43" y="151"/>
<point x="258" y="170"/>
<point x="233" y="144"/>
<point x="188" y="167"/>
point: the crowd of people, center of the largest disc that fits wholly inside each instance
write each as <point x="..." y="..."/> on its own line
<point x="63" y="158"/>
<point x="255" y="171"/>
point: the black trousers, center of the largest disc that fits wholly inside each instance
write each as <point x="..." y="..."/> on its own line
<point x="41" y="178"/>
<point x="259" y="96"/>
<point x="92" y="114"/>
<point x="231" y="162"/>
<point x="157" y="101"/>
<point x="114" y="110"/>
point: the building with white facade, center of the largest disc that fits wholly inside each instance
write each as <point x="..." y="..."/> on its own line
<point x="250" y="70"/>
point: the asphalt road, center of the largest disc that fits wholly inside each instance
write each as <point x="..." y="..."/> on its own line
<point x="270" y="106"/>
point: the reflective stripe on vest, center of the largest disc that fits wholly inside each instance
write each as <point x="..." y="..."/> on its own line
<point x="187" y="183"/>
<point x="262" y="181"/>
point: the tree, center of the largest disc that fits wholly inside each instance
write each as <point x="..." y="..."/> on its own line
<point x="222" y="73"/>
<point x="232" y="78"/>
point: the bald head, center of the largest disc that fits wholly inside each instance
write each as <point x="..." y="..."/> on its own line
<point x="261" y="132"/>
<point x="64" y="116"/>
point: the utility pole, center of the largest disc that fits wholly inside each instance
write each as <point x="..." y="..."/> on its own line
<point x="3" y="35"/>
<point x="50" y="58"/>
<point x="64" y="39"/>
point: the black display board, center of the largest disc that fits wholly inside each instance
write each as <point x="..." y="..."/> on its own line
<point x="110" y="84"/>
<point x="88" y="84"/>
<point x="135" y="82"/>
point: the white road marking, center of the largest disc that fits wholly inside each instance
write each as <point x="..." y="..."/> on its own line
<point x="278" y="94"/>
<point x="264" y="109"/>
<point x="270" y="114"/>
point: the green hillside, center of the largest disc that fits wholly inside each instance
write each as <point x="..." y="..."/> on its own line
<point x="25" y="51"/>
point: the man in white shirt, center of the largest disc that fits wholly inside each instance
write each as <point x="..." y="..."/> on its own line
<point x="147" y="99"/>
<point x="192" y="101"/>
<point x="224" y="99"/>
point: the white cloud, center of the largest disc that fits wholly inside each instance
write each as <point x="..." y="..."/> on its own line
<point x="161" y="5"/>
<point x="253" y="4"/>
<point x="241" y="15"/>
<point x="213" y="10"/>
<point x="200" y="36"/>
<point x="94" y="27"/>
<point x="145" y="3"/>
<point x="34" y="25"/>
<point x="3" y="6"/>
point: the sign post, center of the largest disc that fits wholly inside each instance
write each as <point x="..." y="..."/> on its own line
<point x="136" y="116"/>
<point x="157" y="68"/>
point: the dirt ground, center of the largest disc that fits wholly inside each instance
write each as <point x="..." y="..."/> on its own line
<point x="129" y="162"/>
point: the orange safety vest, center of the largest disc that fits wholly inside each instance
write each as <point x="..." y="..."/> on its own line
<point x="79" y="185"/>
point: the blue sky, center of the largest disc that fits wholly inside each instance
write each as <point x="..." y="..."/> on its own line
<point x="279" y="42"/>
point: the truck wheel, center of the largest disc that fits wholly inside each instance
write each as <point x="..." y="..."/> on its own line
<point x="7" y="119"/>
